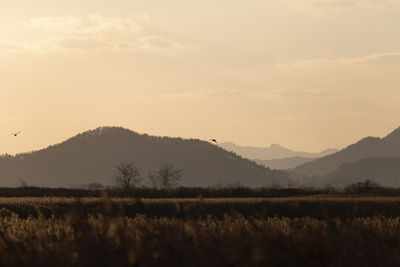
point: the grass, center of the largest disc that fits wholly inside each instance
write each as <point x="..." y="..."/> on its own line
<point x="78" y="240"/>
<point x="319" y="231"/>
<point x="359" y="189"/>
<point x="295" y="207"/>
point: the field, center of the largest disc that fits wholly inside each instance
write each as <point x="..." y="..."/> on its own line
<point x="318" y="207"/>
<point x="296" y="231"/>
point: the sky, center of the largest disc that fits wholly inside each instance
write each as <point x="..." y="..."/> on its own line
<point x="307" y="74"/>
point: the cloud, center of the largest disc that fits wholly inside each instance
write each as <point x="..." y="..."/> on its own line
<point x="312" y="5"/>
<point x="70" y="43"/>
<point x="380" y="59"/>
<point x="54" y="24"/>
<point x="96" y="32"/>
<point x="366" y="75"/>
<point x="12" y="46"/>
<point x="208" y="94"/>
<point x="158" y="42"/>
<point x="369" y="60"/>
<point x="94" y="24"/>
<point x="298" y="93"/>
<point x="265" y="95"/>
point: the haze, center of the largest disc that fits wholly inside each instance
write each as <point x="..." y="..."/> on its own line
<point x="307" y="74"/>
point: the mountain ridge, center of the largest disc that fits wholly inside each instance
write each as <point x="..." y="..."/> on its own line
<point x="368" y="147"/>
<point x="273" y="152"/>
<point x="383" y="170"/>
<point x="91" y="156"/>
<point x="285" y="163"/>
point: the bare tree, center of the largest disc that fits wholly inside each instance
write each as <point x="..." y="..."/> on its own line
<point x="128" y="175"/>
<point x="166" y="177"/>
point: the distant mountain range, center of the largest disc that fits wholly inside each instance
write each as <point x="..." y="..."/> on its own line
<point x="285" y="163"/>
<point x="385" y="171"/>
<point x="273" y="152"/>
<point x="275" y="156"/>
<point x="372" y="158"/>
<point x="92" y="156"/>
<point x="370" y="147"/>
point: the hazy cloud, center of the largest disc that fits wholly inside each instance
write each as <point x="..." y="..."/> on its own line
<point x="208" y="94"/>
<point x="296" y="93"/>
<point x="357" y="79"/>
<point x="54" y="24"/>
<point x="342" y="4"/>
<point x="370" y="60"/>
<point x="286" y="93"/>
<point x="53" y="34"/>
<point x="300" y="70"/>
<point x="12" y="46"/>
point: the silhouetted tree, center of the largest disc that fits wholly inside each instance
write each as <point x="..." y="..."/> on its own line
<point x="362" y="187"/>
<point x="166" y="176"/>
<point x="128" y="175"/>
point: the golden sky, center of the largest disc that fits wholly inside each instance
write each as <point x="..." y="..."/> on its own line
<point x="307" y="74"/>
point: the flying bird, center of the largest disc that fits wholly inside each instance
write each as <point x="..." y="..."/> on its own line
<point x="214" y="140"/>
<point x="15" y="134"/>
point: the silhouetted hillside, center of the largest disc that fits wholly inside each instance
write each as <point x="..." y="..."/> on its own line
<point x="275" y="151"/>
<point x="384" y="171"/>
<point x="283" y="164"/>
<point x="91" y="157"/>
<point x="369" y="147"/>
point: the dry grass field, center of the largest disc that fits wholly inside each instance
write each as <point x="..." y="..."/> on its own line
<point x="319" y="207"/>
<point x="320" y="231"/>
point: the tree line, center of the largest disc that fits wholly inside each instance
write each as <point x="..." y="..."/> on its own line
<point x="128" y="176"/>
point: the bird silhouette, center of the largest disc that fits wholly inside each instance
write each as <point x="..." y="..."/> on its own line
<point x="15" y="134"/>
<point x="214" y="140"/>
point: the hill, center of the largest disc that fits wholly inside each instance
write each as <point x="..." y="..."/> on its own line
<point x="91" y="157"/>
<point x="384" y="171"/>
<point x="275" y="151"/>
<point x="370" y="147"/>
<point x="285" y="163"/>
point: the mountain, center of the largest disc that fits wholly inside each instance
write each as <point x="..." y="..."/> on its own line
<point x="385" y="171"/>
<point x="285" y="163"/>
<point x="370" y="147"/>
<point x="275" y="151"/>
<point x="92" y="156"/>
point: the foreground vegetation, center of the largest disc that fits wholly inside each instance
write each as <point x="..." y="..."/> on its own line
<point x="80" y="240"/>
<point x="365" y="188"/>
<point x="320" y="230"/>
<point x="295" y="207"/>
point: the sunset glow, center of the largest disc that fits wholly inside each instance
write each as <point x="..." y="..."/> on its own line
<point x="307" y="74"/>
